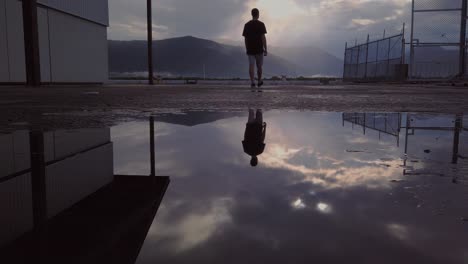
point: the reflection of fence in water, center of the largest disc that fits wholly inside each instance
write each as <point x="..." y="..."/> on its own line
<point x="383" y="123"/>
<point x="458" y="142"/>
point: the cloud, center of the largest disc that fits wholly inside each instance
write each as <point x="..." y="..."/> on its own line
<point x="202" y="18"/>
<point x="324" y="23"/>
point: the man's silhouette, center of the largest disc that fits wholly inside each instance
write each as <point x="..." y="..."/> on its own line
<point x="256" y="45"/>
<point x="254" y="137"/>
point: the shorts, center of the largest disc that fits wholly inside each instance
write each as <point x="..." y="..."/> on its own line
<point x="256" y="59"/>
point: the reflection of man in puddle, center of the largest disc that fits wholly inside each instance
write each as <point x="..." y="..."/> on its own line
<point x="254" y="136"/>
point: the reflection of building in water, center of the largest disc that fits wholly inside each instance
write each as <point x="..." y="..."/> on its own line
<point x="60" y="199"/>
<point x="383" y="123"/>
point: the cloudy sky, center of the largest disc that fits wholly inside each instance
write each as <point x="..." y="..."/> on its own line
<point x="325" y="23"/>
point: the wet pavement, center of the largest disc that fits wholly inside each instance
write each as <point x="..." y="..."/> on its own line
<point x="328" y="188"/>
<point x="77" y="106"/>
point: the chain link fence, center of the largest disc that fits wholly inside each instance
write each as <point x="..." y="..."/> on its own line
<point x="437" y="42"/>
<point x="380" y="59"/>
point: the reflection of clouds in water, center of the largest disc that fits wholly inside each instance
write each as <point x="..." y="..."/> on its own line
<point x="193" y="229"/>
<point x="331" y="173"/>
<point x="299" y="204"/>
<point x="131" y="153"/>
<point x="398" y="231"/>
<point x="324" y="208"/>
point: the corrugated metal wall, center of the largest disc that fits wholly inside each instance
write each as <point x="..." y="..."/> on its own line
<point x="94" y="10"/>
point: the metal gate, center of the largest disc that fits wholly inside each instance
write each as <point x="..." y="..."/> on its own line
<point x="438" y="39"/>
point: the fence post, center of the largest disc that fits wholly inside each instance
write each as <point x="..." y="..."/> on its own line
<point x="377" y="60"/>
<point x="367" y="56"/>
<point x="345" y="56"/>
<point x="357" y="63"/>
<point x="388" y="56"/>
<point x="463" y="39"/>
<point x="411" y="68"/>
<point x="403" y="45"/>
<point x="150" y="41"/>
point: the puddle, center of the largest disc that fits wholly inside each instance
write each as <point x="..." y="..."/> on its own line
<point x="326" y="188"/>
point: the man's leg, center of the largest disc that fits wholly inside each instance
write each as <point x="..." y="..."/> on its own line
<point x="252" y="69"/>
<point x="251" y="116"/>
<point x="252" y="73"/>
<point x="259" y="116"/>
<point x="259" y="59"/>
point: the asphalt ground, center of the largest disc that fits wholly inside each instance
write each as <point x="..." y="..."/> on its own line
<point x="89" y="106"/>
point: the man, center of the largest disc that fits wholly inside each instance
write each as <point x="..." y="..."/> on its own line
<point x="256" y="45"/>
<point x="254" y="137"/>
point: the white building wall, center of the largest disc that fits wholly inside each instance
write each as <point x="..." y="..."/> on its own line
<point x="94" y="10"/>
<point x="71" y="49"/>
<point x="78" y="49"/>
<point x="44" y="51"/>
<point x="15" y="41"/>
<point x="4" y="68"/>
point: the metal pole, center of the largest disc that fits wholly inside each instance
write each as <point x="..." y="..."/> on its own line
<point x="463" y="39"/>
<point x="365" y="123"/>
<point x="38" y="180"/>
<point x="357" y="64"/>
<point x="411" y="66"/>
<point x="344" y="64"/>
<point x="31" y="43"/>
<point x="388" y="56"/>
<point x="204" y="72"/>
<point x="377" y="60"/>
<point x="152" y="147"/>
<point x="403" y="45"/>
<point x="149" y="12"/>
<point x="351" y="62"/>
<point x="367" y="56"/>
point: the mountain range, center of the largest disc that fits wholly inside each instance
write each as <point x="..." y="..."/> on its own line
<point x="190" y="56"/>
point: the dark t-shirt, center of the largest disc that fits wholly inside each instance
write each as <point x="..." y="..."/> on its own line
<point x="253" y="139"/>
<point x="253" y="32"/>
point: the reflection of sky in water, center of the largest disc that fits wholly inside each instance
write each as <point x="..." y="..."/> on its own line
<point x="322" y="193"/>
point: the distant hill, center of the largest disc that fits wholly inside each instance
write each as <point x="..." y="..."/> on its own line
<point x="195" y="118"/>
<point x="187" y="56"/>
<point x="311" y="60"/>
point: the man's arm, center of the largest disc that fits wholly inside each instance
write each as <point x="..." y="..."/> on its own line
<point x="245" y="41"/>
<point x="264" y="132"/>
<point x="265" y="46"/>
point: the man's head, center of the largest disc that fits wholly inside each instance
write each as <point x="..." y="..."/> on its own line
<point x="254" y="161"/>
<point x="255" y="13"/>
